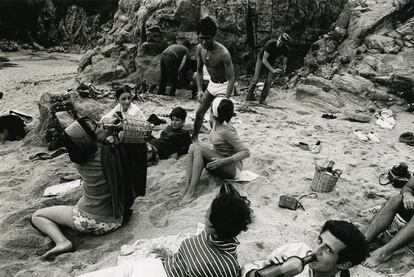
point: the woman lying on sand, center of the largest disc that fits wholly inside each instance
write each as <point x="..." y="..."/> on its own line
<point x="97" y="211"/>
<point x="123" y="96"/>
<point x="225" y="159"/>
<point x="212" y="253"/>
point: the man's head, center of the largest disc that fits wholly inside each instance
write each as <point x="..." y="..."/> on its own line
<point x="284" y="40"/>
<point x="206" y="31"/>
<point x="341" y="246"/>
<point x="177" y="117"/>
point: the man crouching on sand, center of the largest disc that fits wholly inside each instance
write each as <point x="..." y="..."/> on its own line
<point x="340" y="246"/>
<point x="218" y="62"/>
<point x="403" y="204"/>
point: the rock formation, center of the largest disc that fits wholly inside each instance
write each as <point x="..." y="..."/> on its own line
<point x="68" y="23"/>
<point x="369" y="52"/>
<point x="142" y="29"/>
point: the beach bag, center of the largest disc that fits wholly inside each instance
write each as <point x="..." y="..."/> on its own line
<point x="398" y="176"/>
<point x="291" y="203"/>
<point x="135" y="130"/>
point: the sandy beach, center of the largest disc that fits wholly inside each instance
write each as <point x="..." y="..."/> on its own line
<point x="283" y="169"/>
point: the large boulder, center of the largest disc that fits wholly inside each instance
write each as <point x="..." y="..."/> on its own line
<point x="326" y="100"/>
<point x="103" y="70"/>
<point x="356" y="85"/>
<point x="382" y="43"/>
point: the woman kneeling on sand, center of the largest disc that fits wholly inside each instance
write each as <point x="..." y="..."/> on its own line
<point x="225" y="159"/>
<point x="106" y="200"/>
<point x="212" y="253"/>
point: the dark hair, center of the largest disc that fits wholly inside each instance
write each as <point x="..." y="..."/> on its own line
<point x="179" y="113"/>
<point x="225" y="110"/>
<point x="121" y="90"/>
<point x="187" y="44"/>
<point x="230" y="213"/>
<point x="356" y="249"/>
<point x="77" y="154"/>
<point x="207" y="26"/>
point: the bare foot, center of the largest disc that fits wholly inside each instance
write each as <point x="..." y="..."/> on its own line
<point x="187" y="199"/>
<point x="60" y="248"/>
<point x="377" y="257"/>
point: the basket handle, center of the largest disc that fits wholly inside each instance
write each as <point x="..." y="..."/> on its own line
<point x="338" y="172"/>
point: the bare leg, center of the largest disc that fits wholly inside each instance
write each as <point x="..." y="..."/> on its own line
<point x="266" y="87"/>
<point x="201" y="157"/>
<point x="404" y="237"/>
<point x="201" y="111"/>
<point x="189" y="166"/>
<point x="383" y="219"/>
<point x="380" y="223"/>
<point x="255" y="79"/>
<point x="47" y="220"/>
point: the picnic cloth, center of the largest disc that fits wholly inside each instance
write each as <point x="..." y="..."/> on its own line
<point x="142" y="248"/>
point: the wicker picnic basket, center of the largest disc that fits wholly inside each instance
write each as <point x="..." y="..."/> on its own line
<point x="135" y="130"/>
<point x="323" y="180"/>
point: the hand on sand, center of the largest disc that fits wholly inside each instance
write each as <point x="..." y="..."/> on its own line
<point x="215" y="163"/>
<point x="408" y="201"/>
<point x="377" y="257"/>
<point x="60" y="248"/>
<point x="162" y="252"/>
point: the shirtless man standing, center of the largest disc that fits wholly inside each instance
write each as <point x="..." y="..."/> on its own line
<point x="218" y="62"/>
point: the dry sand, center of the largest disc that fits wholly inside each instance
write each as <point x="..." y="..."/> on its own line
<point x="283" y="169"/>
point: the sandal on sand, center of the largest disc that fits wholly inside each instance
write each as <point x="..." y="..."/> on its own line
<point x="47" y="156"/>
<point x="315" y="149"/>
<point x="407" y="137"/>
<point x="300" y="144"/>
<point x="328" y="116"/>
<point x="360" y="135"/>
<point x="373" y="137"/>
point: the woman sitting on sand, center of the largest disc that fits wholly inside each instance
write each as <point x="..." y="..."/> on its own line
<point x="105" y="201"/>
<point x="123" y="96"/>
<point x="225" y="159"/>
<point x="212" y="253"/>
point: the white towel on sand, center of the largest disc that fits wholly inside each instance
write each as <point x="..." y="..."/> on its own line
<point x="62" y="188"/>
<point x="244" y="176"/>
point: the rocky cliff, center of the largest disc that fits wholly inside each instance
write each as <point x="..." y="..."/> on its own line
<point x="55" y="22"/>
<point x="369" y="54"/>
<point x="143" y="28"/>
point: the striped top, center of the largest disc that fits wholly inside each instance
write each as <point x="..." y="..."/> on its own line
<point x="202" y="256"/>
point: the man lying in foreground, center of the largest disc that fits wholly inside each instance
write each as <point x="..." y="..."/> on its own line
<point x="340" y="246"/>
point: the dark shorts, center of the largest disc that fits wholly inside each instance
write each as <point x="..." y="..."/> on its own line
<point x="405" y="214"/>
